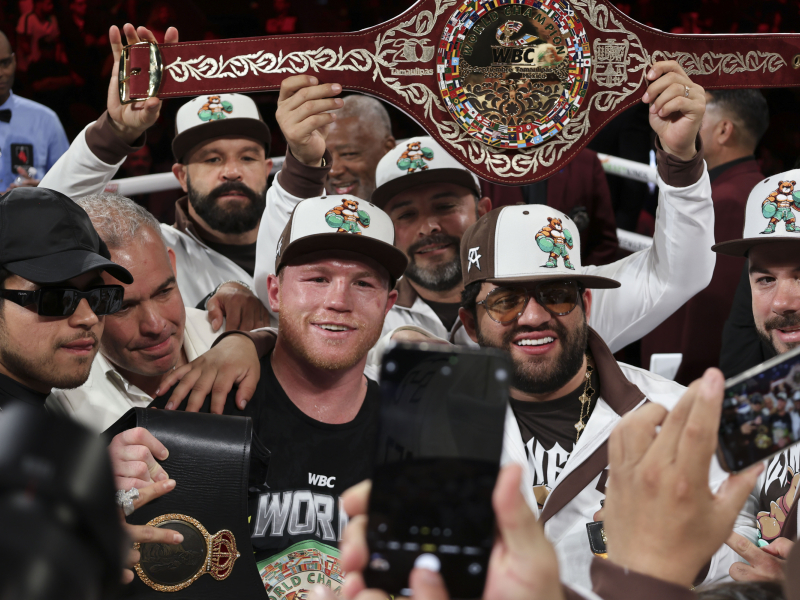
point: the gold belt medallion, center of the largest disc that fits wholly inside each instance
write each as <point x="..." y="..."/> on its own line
<point x="170" y="568"/>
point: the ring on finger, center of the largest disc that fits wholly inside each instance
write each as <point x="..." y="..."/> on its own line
<point x="125" y="500"/>
<point x="686" y="92"/>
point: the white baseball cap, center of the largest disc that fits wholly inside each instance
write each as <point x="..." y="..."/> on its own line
<point x="418" y="161"/>
<point x="341" y="223"/>
<point x="525" y="243"/>
<point x="212" y="116"/>
<point x="770" y="214"/>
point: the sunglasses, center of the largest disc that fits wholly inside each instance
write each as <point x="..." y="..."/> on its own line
<point x="505" y="305"/>
<point x="62" y="302"/>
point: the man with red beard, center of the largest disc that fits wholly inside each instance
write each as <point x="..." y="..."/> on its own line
<point x="567" y="390"/>
<point x="773" y="263"/>
<point x="313" y="407"/>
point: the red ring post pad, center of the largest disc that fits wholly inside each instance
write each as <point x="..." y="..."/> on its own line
<point x="513" y="89"/>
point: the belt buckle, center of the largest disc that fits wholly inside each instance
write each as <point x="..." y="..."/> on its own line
<point x="167" y="568"/>
<point x="156" y="72"/>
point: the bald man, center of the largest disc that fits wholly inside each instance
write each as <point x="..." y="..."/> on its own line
<point x="31" y="136"/>
<point x="357" y="140"/>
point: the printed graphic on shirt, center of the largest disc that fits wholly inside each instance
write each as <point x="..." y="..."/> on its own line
<point x="414" y="158"/>
<point x="545" y="465"/>
<point x="556" y="241"/>
<point x="777" y="496"/>
<point x="21" y="156"/>
<point x="347" y="217"/>
<point x="215" y="109"/>
<point x="779" y="205"/>
<point x="291" y="574"/>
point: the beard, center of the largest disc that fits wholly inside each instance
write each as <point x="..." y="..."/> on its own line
<point x="332" y="355"/>
<point x="537" y="375"/>
<point x="778" y="322"/>
<point x="42" y="369"/>
<point x="229" y="220"/>
<point x="437" y="278"/>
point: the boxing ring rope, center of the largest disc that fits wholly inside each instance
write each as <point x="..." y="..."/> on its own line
<point x="628" y="240"/>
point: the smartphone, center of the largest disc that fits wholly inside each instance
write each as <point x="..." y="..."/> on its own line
<point x="440" y="435"/>
<point x="760" y="412"/>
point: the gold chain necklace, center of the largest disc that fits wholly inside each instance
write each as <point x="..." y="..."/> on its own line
<point x="586" y="399"/>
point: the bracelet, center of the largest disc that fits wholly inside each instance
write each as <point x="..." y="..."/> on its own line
<point x="216" y="289"/>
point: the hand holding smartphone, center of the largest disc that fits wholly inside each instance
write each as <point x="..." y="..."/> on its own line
<point x="437" y="458"/>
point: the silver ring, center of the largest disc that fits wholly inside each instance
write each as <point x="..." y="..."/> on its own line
<point x="125" y="500"/>
<point x="686" y="93"/>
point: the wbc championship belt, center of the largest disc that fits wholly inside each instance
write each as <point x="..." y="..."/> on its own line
<point x="513" y="89"/>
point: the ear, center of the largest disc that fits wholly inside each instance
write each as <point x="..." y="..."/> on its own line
<point x="469" y="323"/>
<point x="484" y="206"/>
<point x="181" y="173"/>
<point x="173" y="261"/>
<point x="268" y="164"/>
<point x="388" y="144"/>
<point x="587" y="303"/>
<point x="274" y="293"/>
<point x="390" y="302"/>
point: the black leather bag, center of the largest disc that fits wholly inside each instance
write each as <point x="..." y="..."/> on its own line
<point x="212" y="459"/>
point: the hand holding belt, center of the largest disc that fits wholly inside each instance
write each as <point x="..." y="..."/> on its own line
<point x="571" y="67"/>
<point x="210" y="459"/>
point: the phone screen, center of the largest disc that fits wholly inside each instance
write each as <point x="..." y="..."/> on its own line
<point x="760" y="412"/>
<point x="437" y="460"/>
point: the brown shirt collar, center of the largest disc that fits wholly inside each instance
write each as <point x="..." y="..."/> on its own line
<point x="406" y="294"/>
<point x="183" y="222"/>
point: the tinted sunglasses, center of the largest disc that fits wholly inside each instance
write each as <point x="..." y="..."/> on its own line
<point x="505" y="305"/>
<point x="62" y="302"/>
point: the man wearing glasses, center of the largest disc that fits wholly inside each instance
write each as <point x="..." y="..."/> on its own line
<point x="54" y="298"/>
<point x="567" y="390"/>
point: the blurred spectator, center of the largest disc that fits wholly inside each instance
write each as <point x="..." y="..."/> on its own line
<point x="137" y="163"/>
<point x="51" y="79"/>
<point x="31" y="136"/>
<point x="40" y="23"/>
<point x="282" y="22"/>
<point x="690" y="23"/>
<point x="733" y="124"/>
<point x="161" y="18"/>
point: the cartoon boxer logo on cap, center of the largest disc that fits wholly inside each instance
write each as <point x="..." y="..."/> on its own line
<point x="215" y="109"/>
<point x="414" y="158"/>
<point x="778" y="207"/>
<point x="347" y="217"/>
<point x="556" y="241"/>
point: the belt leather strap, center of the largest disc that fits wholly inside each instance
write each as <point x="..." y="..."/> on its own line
<point x="469" y="72"/>
<point x="210" y="460"/>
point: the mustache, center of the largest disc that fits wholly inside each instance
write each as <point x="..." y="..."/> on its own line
<point x="232" y="186"/>
<point x="436" y="238"/>
<point x="782" y="321"/>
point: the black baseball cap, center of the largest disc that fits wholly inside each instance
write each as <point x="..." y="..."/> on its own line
<point x="46" y="237"/>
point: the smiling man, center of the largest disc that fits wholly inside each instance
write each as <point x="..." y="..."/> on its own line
<point x="313" y="407"/>
<point x="773" y="265"/>
<point x="357" y="139"/>
<point x="567" y="390"/>
<point x="54" y="300"/>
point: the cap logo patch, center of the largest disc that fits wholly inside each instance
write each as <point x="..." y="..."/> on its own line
<point x="474" y="258"/>
<point x="215" y="109"/>
<point x="779" y="205"/>
<point x="556" y="241"/>
<point x="347" y="217"/>
<point x="414" y="158"/>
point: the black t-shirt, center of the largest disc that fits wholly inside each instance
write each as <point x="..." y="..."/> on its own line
<point x="446" y="311"/>
<point x="243" y="255"/>
<point x="296" y="519"/>
<point x="11" y="390"/>
<point x="548" y="432"/>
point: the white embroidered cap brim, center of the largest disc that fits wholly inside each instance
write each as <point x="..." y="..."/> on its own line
<point x="768" y="197"/>
<point x="419" y="161"/>
<point x="343" y="223"/>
